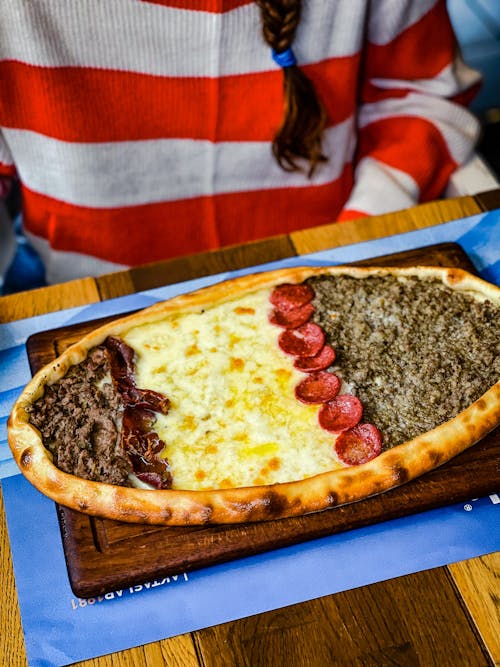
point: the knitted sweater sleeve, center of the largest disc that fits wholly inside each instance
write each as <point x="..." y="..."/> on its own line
<point x="413" y="127"/>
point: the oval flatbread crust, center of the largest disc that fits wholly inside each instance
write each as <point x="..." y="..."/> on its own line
<point x="339" y="486"/>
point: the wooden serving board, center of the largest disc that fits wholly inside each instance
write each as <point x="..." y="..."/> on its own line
<point x="104" y="555"/>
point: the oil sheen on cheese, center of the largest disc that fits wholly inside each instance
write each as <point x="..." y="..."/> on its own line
<point x="234" y="420"/>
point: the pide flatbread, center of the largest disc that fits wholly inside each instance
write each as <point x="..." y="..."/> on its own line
<point x="272" y="395"/>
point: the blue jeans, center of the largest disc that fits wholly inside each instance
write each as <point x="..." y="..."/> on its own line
<point x="26" y="270"/>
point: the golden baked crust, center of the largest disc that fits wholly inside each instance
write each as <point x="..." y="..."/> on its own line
<point x="258" y="503"/>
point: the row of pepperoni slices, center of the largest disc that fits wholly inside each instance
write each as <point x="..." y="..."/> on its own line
<point x="356" y="442"/>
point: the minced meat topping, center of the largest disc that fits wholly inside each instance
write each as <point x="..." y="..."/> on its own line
<point x="416" y="352"/>
<point x="99" y="425"/>
<point x="79" y="419"/>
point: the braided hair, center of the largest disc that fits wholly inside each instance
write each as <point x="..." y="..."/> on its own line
<point x="304" y="115"/>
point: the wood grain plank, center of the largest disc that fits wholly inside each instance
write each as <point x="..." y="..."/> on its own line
<point x="210" y="263"/>
<point x="364" y="229"/>
<point x="437" y="212"/>
<point x="178" y="652"/>
<point x="478" y="581"/>
<point x="179" y="269"/>
<point x="12" y="651"/>
<point x="175" y="652"/>
<point x="398" y="622"/>
<point x="48" y="299"/>
<point x="111" y="285"/>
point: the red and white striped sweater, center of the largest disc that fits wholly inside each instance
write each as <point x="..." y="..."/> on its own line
<point x="141" y="130"/>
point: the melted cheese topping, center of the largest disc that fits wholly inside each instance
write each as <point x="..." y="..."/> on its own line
<point x="234" y="419"/>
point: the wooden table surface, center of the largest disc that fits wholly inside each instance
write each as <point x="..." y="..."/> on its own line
<point x="444" y="616"/>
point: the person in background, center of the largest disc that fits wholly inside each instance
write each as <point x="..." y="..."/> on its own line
<point x="142" y="130"/>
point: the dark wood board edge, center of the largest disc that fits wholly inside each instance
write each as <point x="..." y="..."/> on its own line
<point x="489" y="200"/>
<point x="474" y="473"/>
<point x="42" y="346"/>
<point x="448" y="254"/>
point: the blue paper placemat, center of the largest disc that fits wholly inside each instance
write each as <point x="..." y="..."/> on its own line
<point x="60" y="628"/>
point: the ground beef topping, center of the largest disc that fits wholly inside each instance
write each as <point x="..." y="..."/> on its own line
<point x="416" y="353"/>
<point x="79" y="419"/>
<point x="98" y="424"/>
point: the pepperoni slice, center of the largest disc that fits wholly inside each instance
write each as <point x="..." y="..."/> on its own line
<point x="289" y="296"/>
<point x="341" y="413"/>
<point x="319" y="362"/>
<point x="305" y="341"/>
<point x="291" y="319"/>
<point x="359" y="444"/>
<point x="318" y="387"/>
